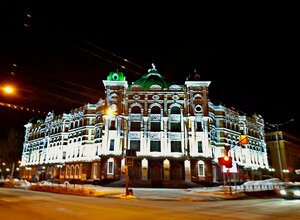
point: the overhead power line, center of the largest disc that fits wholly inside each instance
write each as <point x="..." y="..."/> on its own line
<point x="104" y="50"/>
<point x="41" y="28"/>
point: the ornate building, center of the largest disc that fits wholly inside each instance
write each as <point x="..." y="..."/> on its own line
<point x="178" y="135"/>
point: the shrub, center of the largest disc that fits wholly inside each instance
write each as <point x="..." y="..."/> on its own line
<point x="64" y="190"/>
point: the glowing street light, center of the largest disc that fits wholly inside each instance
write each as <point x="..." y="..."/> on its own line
<point x="8" y="89"/>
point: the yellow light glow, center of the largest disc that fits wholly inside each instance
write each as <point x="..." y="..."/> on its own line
<point x="244" y="139"/>
<point x="112" y="110"/>
<point x="8" y="89"/>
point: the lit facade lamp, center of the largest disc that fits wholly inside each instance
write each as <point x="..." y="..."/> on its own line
<point x="271" y="169"/>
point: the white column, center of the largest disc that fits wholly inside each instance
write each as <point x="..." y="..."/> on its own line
<point x="144" y="143"/>
<point x="144" y="169"/>
<point x="165" y="147"/>
<point x="187" y="170"/>
<point x="166" y="165"/>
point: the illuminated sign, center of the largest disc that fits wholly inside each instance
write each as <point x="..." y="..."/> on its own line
<point x="244" y="139"/>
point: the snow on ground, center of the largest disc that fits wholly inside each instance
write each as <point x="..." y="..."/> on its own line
<point x="222" y="192"/>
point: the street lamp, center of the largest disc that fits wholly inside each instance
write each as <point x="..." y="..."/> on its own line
<point x="8" y="89"/>
<point x="112" y="112"/>
<point x="278" y="145"/>
<point x="124" y="155"/>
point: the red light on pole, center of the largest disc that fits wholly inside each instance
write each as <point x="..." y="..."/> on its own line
<point x="226" y="158"/>
<point x="225" y="161"/>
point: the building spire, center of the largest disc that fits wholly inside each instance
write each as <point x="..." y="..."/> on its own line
<point x="153" y="68"/>
<point x="196" y="75"/>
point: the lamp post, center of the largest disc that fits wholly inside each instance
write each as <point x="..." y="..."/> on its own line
<point x="112" y="111"/>
<point x="278" y="145"/>
<point x="124" y="155"/>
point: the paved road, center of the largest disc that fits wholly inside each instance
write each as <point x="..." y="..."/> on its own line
<point x="25" y="204"/>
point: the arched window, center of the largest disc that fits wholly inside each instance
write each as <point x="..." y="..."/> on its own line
<point x="175" y="110"/>
<point x="97" y="133"/>
<point x="136" y="110"/>
<point x="175" y="124"/>
<point x="72" y="171"/>
<point x="156" y="123"/>
<point x="201" y="168"/>
<point x="76" y="171"/>
<point x="68" y="172"/>
<point x="110" y="166"/>
<point x="134" y="124"/>
<point x="155" y="110"/>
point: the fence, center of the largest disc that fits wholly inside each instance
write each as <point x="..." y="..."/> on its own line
<point x="257" y="188"/>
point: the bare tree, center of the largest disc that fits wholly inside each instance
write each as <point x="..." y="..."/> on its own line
<point x="11" y="149"/>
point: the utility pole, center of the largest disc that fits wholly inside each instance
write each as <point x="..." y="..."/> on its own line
<point x="278" y="145"/>
<point x="126" y="172"/>
<point x="126" y="167"/>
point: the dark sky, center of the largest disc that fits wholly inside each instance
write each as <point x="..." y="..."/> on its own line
<point x="64" y="51"/>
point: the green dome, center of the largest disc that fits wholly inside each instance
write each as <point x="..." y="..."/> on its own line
<point x="151" y="81"/>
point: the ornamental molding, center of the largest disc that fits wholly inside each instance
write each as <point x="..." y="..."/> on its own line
<point x="175" y="136"/>
<point x="77" y="115"/>
<point x="134" y="135"/>
<point x="136" y="97"/>
<point x="175" y="117"/>
<point x="155" y="97"/>
<point x="155" y="136"/>
<point x="197" y="83"/>
<point x="231" y="116"/>
<point x="175" y="97"/>
<point x="155" y="117"/>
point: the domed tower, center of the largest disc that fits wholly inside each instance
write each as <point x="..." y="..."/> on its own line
<point x="197" y="92"/>
<point x="152" y="80"/>
<point x="115" y="87"/>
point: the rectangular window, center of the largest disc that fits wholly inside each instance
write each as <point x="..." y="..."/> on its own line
<point x="176" y="146"/>
<point x="135" y="126"/>
<point x="112" y="145"/>
<point x="155" y="126"/>
<point x="155" y="146"/>
<point x="110" y="167"/>
<point x="135" y="145"/>
<point x="200" y="149"/>
<point x="175" y="127"/>
<point x="64" y="155"/>
<point x="112" y="125"/>
<point x="201" y="169"/>
<point x="199" y="126"/>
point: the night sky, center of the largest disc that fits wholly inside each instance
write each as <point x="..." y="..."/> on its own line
<point x="58" y="54"/>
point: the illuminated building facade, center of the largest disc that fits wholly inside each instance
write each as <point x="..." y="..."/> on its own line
<point x="178" y="135"/>
<point x="284" y="152"/>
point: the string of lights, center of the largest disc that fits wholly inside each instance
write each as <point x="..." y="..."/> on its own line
<point x="21" y="108"/>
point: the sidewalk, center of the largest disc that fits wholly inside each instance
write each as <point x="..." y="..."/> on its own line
<point x="191" y="194"/>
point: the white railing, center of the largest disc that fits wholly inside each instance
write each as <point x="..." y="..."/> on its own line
<point x="256" y="188"/>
